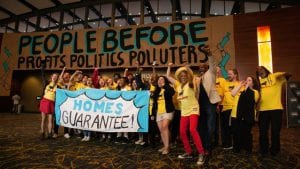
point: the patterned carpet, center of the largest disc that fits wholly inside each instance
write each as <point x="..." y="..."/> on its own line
<point x="20" y="147"/>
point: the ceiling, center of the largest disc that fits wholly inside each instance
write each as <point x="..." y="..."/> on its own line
<point x="44" y="15"/>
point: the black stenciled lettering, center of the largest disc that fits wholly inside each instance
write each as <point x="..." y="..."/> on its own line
<point x="110" y="40"/>
<point x="141" y="34"/>
<point x="123" y="36"/>
<point x="47" y="43"/>
<point x="120" y="59"/>
<point x="123" y="122"/>
<point x="36" y="41"/>
<point x="89" y="39"/>
<point x="194" y="27"/>
<point x="79" y="120"/>
<point x="66" y="38"/>
<point x="76" y="49"/>
<point x="96" y="121"/>
<point x="116" y="122"/>
<point x="21" y="60"/>
<point x="178" y="29"/>
<point x="25" y="40"/>
<point x="87" y="119"/>
<point x="163" y="35"/>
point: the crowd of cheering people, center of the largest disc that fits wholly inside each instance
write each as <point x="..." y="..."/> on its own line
<point x="187" y="105"/>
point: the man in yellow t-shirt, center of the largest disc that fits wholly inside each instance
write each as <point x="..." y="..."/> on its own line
<point x="227" y="103"/>
<point x="270" y="109"/>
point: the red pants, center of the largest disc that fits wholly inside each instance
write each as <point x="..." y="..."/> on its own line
<point x="191" y="121"/>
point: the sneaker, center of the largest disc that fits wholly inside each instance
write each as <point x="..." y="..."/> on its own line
<point x="166" y="151"/>
<point x="42" y="136"/>
<point x="54" y="135"/>
<point x="49" y="136"/>
<point x="200" y="159"/>
<point x="84" y="138"/>
<point x="67" y="135"/>
<point x="88" y="138"/>
<point x="125" y="140"/>
<point x="228" y="148"/>
<point x="184" y="156"/>
<point x="138" y="142"/>
<point x="118" y="140"/>
<point x="102" y="139"/>
<point x="142" y="143"/>
<point x="161" y="150"/>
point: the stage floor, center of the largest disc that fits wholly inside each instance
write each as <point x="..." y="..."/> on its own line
<point x="20" y="147"/>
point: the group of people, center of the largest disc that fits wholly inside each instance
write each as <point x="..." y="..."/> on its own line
<point x="188" y="105"/>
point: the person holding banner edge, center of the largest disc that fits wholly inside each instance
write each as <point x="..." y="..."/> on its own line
<point x="47" y="104"/>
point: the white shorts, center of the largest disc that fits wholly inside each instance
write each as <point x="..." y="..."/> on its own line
<point x="160" y="117"/>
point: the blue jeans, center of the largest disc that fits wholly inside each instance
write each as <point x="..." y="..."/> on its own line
<point x="87" y="133"/>
<point x="207" y="124"/>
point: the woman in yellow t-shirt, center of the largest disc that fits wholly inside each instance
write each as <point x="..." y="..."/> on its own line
<point x="47" y="105"/>
<point x="270" y="109"/>
<point x="189" y="111"/>
<point x="163" y="108"/>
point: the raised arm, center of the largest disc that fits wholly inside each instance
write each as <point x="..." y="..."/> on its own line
<point x="125" y="72"/>
<point x="95" y="78"/>
<point x="237" y="88"/>
<point x="74" y="74"/>
<point x="61" y="74"/>
<point x="171" y="79"/>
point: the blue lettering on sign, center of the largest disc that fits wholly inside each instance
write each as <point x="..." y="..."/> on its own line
<point x="102" y="107"/>
<point x="77" y="105"/>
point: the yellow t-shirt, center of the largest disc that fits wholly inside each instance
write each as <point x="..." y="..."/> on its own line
<point x="236" y="100"/>
<point x="228" y="99"/>
<point x="219" y="82"/>
<point x="188" y="101"/>
<point x="79" y="85"/>
<point x="104" y="88"/>
<point x="152" y="89"/>
<point x="161" y="103"/>
<point x="113" y="86"/>
<point x="49" y="92"/>
<point x="271" y="91"/>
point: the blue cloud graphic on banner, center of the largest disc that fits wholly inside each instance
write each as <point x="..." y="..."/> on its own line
<point x="103" y="110"/>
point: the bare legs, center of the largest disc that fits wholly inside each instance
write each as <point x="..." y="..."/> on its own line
<point x="163" y="126"/>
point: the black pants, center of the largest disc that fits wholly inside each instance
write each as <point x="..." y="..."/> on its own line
<point x="175" y="126"/>
<point x="56" y="127"/>
<point x="273" y="117"/>
<point x="206" y="125"/>
<point x="149" y="137"/>
<point x="242" y="136"/>
<point x="226" y="134"/>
